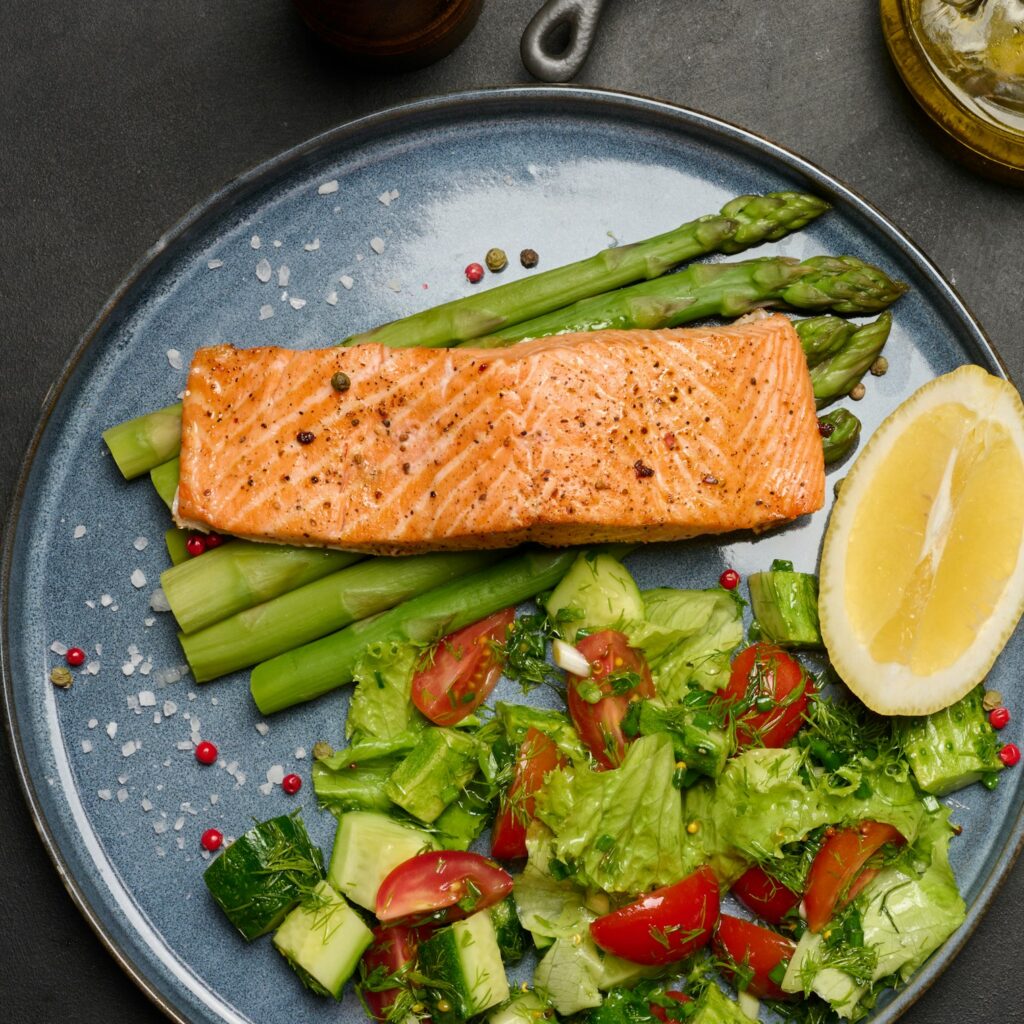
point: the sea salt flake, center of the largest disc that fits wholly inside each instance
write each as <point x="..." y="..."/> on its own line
<point x="122" y="795"/>
<point x="158" y="601"/>
<point x="360" y="257"/>
<point x="138" y="578"/>
<point x="300" y="753"/>
<point x="180" y="844"/>
<point x="128" y="668"/>
<point x="331" y="299"/>
<point x="157" y="718"/>
<point x="388" y="197"/>
<point x="262" y="728"/>
<point x="99" y="650"/>
<point x="394" y="284"/>
<point x="255" y="241"/>
<point x="215" y="701"/>
<point x="160" y="827"/>
<point x="312" y="246"/>
<point x="104" y="794"/>
<point x="275" y="774"/>
<point x="93" y="668"/>
<point x="328" y="188"/>
<point x="174" y="358"/>
<point x="140" y="543"/>
<point x="277" y="243"/>
<point x="133" y="701"/>
<point x="264" y="271"/>
<point x="214" y="264"/>
<point x="296" y="303"/>
<point x="184" y="744"/>
<point x="346" y="282"/>
<point x="284" y="275"/>
<point x="90" y="604"/>
<point x="58" y="648"/>
<point x="160" y="851"/>
<point x="146" y="667"/>
<point x="148" y="621"/>
<point x="266" y="788"/>
<point x="86" y="746"/>
<point x="129" y="748"/>
<point x="111" y="729"/>
<point x="179" y="824"/>
<point x="266" y="311"/>
<point x="231" y="767"/>
<point x="147" y="699"/>
<point x="170" y="708"/>
<point x="92" y="723"/>
<point x="106" y="600"/>
<point x="79" y="532"/>
<point x="146" y="804"/>
<point x="122" y="779"/>
<point x="377" y="244"/>
<point x="214" y="797"/>
<point x="239" y="778"/>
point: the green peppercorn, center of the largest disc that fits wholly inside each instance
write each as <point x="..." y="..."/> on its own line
<point x="496" y="260"/>
<point x="60" y="676"/>
<point x="341" y="381"/>
<point x="529" y="258"/>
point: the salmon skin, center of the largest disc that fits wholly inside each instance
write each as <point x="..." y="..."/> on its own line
<point x="580" y="438"/>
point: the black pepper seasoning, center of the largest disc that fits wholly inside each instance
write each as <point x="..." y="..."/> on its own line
<point x="305" y="437"/>
<point x="529" y="258"/>
<point x="341" y="381"/>
<point x="642" y="471"/>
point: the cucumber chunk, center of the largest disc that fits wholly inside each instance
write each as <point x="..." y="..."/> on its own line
<point x="323" y="938"/>
<point x="463" y="963"/>
<point x="523" y="1008"/>
<point x="600" y="591"/>
<point x="367" y="847"/>
<point x="433" y="773"/>
<point x="508" y="930"/>
<point x="264" y="873"/>
<point x="951" y="748"/>
<point x="785" y="606"/>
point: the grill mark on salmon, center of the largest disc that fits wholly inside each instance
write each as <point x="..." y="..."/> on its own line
<point x="613" y="435"/>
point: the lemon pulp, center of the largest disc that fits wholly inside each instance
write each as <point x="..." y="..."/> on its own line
<point x="935" y="539"/>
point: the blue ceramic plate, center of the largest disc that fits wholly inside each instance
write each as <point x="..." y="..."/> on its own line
<point x="420" y="192"/>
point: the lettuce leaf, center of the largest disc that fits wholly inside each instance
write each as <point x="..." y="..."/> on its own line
<point x="767" y="798"/>
<point x="621" y="831"/>
<point x="381" y="708"/>
<point x="688" y="637"/>
<point x="548" y="908"/>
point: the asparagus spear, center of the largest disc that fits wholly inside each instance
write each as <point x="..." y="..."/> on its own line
<point x="840" y="373"/>
<point x="823" y="336"/>
<point x="146" y="441"/>
<point x="840" y="431"/>
<point x="317" y="668"/>
<point x="321" y="607"/>
<point x="165" y="480"/>
<point x="718" y="289"/>
<point x="240" y="575"/>
<point x="743" y="222"/>
<point x="175" y="540"/>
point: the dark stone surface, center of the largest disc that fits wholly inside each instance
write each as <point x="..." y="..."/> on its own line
<point x="116" y="118"/>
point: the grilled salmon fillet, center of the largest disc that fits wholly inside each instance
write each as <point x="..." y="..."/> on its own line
<point x="606" y="436"/>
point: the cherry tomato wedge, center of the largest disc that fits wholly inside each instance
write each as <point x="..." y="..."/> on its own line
<point x="765" y="896"/>
<point x="393" y="947"/>
<point x="771" y="691"/>
<point x="618" y="674"/>
<point x="444" y="885"/>
<point x="833" y="876"/>
<point x="661" y="1012"/>
<point x="757" y="950"/>
<point x="537" y="756"/>
<point x="665" y="925"/>
<point x="463" y="670"/>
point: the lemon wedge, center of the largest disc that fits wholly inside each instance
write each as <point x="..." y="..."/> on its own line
<point x="922" y="570"/>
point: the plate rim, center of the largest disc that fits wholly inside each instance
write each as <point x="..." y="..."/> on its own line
<point x="478" y="102"/>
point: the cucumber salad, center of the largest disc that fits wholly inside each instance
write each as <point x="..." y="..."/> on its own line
<point x="700" y="823"/>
